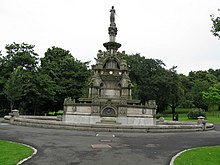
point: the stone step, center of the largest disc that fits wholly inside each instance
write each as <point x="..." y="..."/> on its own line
<point x="108" y="119"/>
<point x="108" y="122"/>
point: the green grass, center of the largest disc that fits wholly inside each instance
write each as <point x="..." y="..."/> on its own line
<point x="182" y="117"/>
<point x="212" y="117"/>
<point x="205" y="155"/>
<point x="60" y="112"/>
<point x="11" y="153"/>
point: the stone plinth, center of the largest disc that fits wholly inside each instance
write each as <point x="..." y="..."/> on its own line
<point x="14" y="113"/>
<point x="111" y="112"/>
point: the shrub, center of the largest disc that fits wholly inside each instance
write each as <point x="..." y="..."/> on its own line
<point x="51" y="113"/>
<point x="195" y="113"/>
<point x="4" y="112"/>
<point x="158" y="115"/>
<point x="60" y="112"/>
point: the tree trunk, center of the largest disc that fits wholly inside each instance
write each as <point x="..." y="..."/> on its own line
<point x="173" y="109"/>
<point x="35" y="109"/>
<point x="12" y="105"/>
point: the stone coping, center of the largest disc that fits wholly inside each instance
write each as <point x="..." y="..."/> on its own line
<point x="140" y="116"/>
<point x="118" y="105"/>
<point x="25" y="121"/>
<point x="56" y="118"/>
<point x="79" y="113"/>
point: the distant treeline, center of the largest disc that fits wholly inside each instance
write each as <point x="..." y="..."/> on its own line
<point x="37" y="85"/>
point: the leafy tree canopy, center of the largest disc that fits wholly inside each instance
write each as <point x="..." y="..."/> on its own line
<point x="212" y="96"/>
<point x="215" y="26"/>
<point x="68" y="74"/>
<point x="21" y="55"/>
<point x="14" y="86"/>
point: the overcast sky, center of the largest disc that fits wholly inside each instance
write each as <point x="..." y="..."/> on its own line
<point x="174" y="31"/>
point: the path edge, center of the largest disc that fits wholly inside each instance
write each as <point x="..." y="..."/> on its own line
<point x="29" y="157"/>
<point x="178" y="154"/>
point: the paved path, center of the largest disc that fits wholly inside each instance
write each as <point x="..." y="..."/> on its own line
<point x="68" y="147"/>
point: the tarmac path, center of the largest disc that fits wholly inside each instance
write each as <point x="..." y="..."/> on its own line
<point x="70" y="147"/>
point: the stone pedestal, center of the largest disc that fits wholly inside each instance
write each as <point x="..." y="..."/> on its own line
<point x="202" y="121"/>
<point x="14" y="113"/>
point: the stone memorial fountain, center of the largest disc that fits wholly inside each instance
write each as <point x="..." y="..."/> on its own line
<point x="110" y="94"/>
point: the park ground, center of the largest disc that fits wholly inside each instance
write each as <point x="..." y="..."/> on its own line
<point x="211" y="116"/>
<point x="69" y="147"/>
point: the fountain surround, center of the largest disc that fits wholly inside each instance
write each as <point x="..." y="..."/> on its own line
<point x="110" y="93"/>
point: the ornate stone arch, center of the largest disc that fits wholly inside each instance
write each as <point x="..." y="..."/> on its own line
<point x="111" y="63"/>
<point x="109" y="111"/>
<point x="102" y="84"/>
<point x="119" y="88"/>
<point x="119" y="85"/>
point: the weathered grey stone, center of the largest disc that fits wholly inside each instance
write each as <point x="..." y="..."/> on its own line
<point x="108" y="126"/>
<point x="110" y="93"/>
<point x="161" y="119"/>
<point x="14" y="113"/>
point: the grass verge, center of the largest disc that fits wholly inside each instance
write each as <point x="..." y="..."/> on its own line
<point x="11" y="153"/>
<point x="183" y="117"/>
<point x="204" y="155"/>
<point x="212" y="117"/>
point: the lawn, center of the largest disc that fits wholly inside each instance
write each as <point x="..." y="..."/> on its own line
<point x="205" y="155"/>
<point x="212" y="117"/>
<point x="11" y="153"/>
<point x="60" y="112"/>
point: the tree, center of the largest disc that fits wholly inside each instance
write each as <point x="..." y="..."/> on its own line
<point x="215" y="26"/>
<point x="216" y="73"/>
<point x="38" y="93"/>
<point x="143" y="72"/>
<point x="175" y="89"/>
<point x="186" y="86"/>
<point x="20" y="55"/>
<point x="19" y="66"/>
<point x="3" y="98"/>
<point x="43" y="88"/>
<point x="14" y="87"/>
<point x="151" y="80"/>
<point x="69" y="76"/>
<point x="201" y="81"/>
<point x="212" y="96"/>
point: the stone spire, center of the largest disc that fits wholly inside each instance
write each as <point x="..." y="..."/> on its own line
<point x="112" y="46"/>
